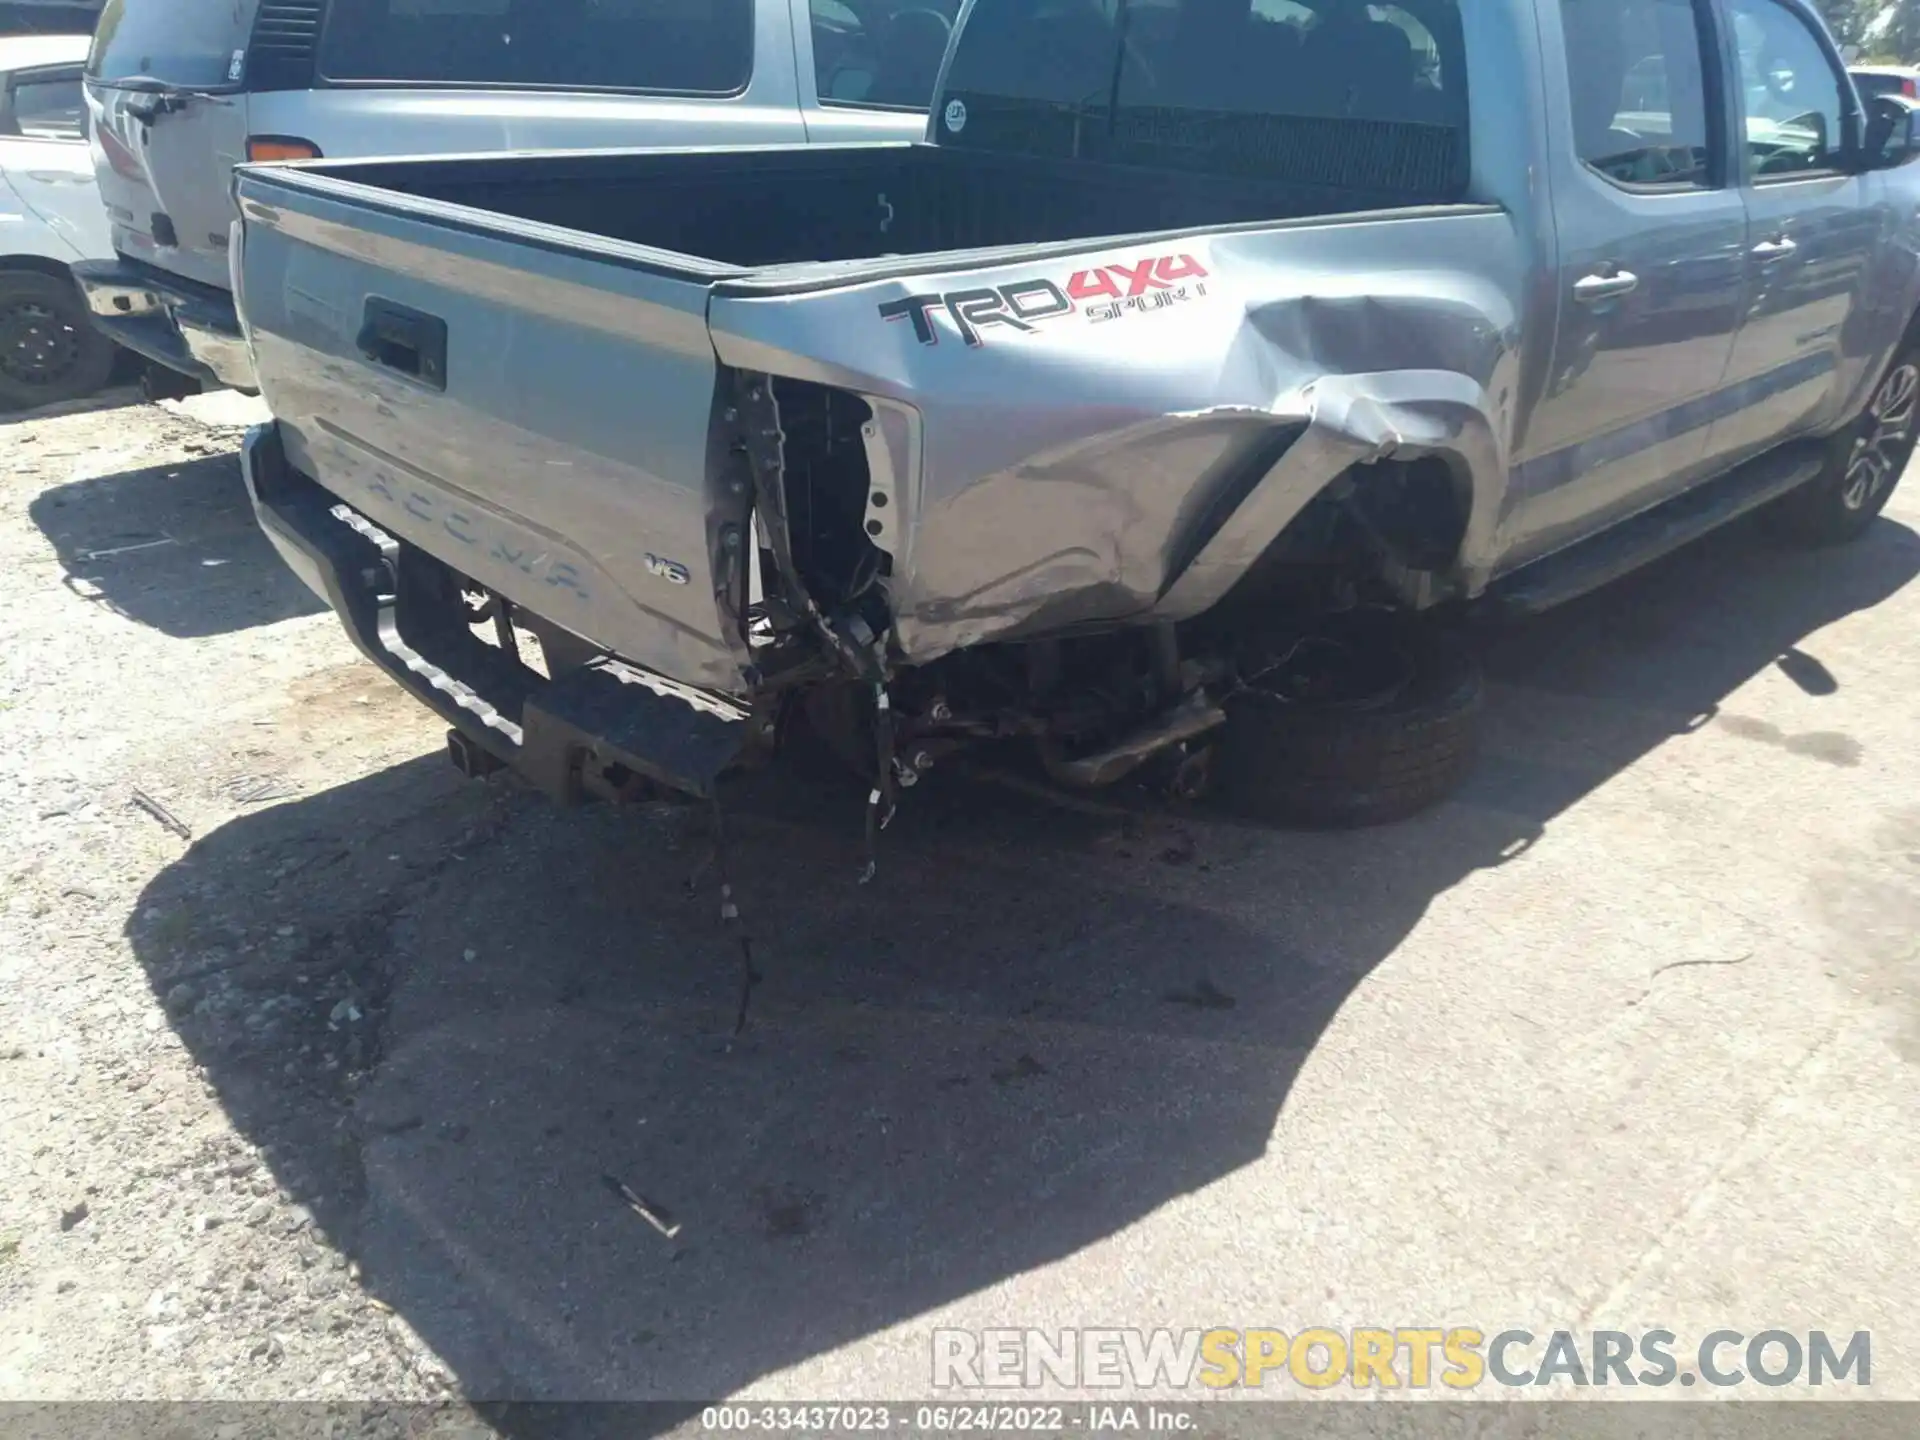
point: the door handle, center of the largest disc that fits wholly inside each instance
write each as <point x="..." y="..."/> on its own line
<point x="1592" y="289"/>
<point x="1768" y="251"/>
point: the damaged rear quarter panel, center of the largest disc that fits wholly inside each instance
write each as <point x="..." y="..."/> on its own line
<point x="1085" y="466"/>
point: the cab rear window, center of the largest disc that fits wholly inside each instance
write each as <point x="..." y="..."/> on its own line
<point x="880" y="52"/>
<point x="196" y="43"/>
<point x="701" y="47"/>
<point x="1339" y="92"/>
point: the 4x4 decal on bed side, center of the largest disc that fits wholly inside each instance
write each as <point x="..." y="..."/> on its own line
<point x="1116" y="290"/>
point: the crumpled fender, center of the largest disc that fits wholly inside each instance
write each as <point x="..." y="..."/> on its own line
<point x="1110" y="464"/>
<point x="1356" y="420"/>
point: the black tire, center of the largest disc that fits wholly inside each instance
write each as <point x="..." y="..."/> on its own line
<point x="1864" y="463"/>
<point x="49" y="350"/>
<point x="1320" y="764"/>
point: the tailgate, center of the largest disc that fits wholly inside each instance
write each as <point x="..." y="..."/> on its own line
<point x="531" y="406"/>
<point x="165" y="165"/>
<point x="168" y="114"/>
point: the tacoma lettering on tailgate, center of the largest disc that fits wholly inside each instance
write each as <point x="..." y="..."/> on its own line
<point x="479" y="533"/>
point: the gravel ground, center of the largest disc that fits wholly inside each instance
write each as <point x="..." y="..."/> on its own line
<point x="314" y="1058"/>
<point x="173" y="1225"/>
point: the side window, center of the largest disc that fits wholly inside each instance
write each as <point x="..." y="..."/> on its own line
<point x="1638" y="90"/>
<point x="700" y="47"/>
<point x="880" y="52"/>
<point x="1796" y="112"/>
<point x="45" y="105"/>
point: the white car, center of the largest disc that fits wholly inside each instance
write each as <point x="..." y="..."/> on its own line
<point x="50" y="216"/>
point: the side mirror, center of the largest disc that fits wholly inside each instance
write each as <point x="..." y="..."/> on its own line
<point x="1893" y="131"/>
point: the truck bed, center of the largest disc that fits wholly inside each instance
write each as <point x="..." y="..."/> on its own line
<point x="778" y="206"/>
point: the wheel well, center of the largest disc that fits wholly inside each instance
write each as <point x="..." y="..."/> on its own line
<point x="43" y="264"/>
<point x="1394" y="527"/>
<point x="1415" y="512"/>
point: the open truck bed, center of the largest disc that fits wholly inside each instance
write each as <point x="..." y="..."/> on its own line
<point x="779" y="206"/>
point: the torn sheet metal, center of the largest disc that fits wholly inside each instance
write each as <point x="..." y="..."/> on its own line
<point x="1116" y="436"/>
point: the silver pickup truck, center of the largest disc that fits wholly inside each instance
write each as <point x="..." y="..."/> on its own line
<point x="1164" y="407"/>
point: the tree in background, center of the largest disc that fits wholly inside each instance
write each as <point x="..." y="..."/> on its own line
<point x="1880" y="29"/>
<point x="1899" y="36"/>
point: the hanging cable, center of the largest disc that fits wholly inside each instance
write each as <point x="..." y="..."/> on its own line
<point x="730" y="916"/>
<point x="880" y="797"/>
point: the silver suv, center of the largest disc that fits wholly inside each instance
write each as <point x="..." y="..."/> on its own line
<point x="180" y="91"/>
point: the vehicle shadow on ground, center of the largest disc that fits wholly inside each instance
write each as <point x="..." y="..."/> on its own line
<point x="117" y="395"/>
<point x="1654" y="656"/>
<point x="1039" y="1025"/>
<point x="172" y="546"/>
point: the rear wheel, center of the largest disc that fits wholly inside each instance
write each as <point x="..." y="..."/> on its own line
<point x="1371" y="717"/>
<point x="49" y="350"/>
<point x="159" y="382"/>
<point x="1864" y="463"/>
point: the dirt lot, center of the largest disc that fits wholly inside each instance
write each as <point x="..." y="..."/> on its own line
<point x="313" y="1057"/>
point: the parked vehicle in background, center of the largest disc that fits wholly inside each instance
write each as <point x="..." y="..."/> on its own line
<point x="182" y="90"/>
<point x="1887" y="80"/>
<point x="48" y="17"/>
<point x="50" y="217"/>
<point x="1159" y="411"/>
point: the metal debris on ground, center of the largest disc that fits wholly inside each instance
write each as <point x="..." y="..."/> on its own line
<point x="655" y="1215"/>
<point x="259" y="790"/>
<point x="160" y="812"/>
<point x="85" y="556"/>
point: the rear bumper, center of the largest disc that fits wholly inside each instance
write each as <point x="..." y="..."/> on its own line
<point x="178" y="323"/>
<point x="584" y="734"/>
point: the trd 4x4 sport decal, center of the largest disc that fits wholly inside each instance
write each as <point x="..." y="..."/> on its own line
<point x="1104" y="293"/>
